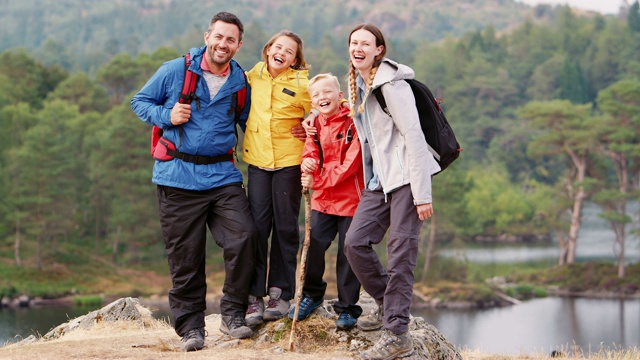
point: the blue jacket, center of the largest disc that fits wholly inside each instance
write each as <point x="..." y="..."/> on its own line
<point x="210" y="131"/>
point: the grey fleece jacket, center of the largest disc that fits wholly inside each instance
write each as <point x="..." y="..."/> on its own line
<point x="396" y="144"/>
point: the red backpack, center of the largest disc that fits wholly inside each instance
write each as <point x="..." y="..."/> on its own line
<point x="167" y="149"/>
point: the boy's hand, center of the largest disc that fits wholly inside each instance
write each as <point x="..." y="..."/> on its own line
<point x="180" y="113"/>
<point x="307" y="180"/>
<point x="299" y="133"/>
<point x="308" y="165"/>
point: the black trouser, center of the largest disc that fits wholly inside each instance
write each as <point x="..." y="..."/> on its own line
<point x="184" y="216"/>
<point x="274" y="198"/>
<point x="324" y="228"/>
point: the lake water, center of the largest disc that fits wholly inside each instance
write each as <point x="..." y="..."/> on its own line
<point x="534" y="327"/>
<point x="541" y="325"/>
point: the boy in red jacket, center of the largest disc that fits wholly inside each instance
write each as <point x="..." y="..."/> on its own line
<point x="332" y="167"/>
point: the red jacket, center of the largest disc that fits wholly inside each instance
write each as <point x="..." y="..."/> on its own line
<point x="338" y="184"/>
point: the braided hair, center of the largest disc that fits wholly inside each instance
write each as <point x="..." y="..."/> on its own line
<point x="376" y="63"/>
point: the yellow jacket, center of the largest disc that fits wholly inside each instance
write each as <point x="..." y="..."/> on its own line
<point x="277" y="105"/>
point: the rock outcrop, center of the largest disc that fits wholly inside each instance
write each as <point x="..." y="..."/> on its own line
<point x="317" y="334"/>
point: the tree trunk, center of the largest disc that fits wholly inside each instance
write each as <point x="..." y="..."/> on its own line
<point x="17" y="242"/>
<point x="430" y="246"/>
<point x="620" y="240"/>
<point x="97" y="238"/>
<point x="579" y="194"/>
<point x="564" y="249"/>
<point x="114" y="250"/>
<point x="39" y="234"/>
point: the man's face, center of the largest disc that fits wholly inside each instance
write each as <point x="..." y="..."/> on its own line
<point x="223" y="41"/>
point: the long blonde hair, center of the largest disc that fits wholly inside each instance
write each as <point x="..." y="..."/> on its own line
<point x="372" y="74"/>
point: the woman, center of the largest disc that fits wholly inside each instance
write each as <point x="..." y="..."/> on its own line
<point x="397" y="174"/>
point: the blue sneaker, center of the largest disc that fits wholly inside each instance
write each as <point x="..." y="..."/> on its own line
<point x="345" y="321"/>
<point x="307" y="305"/>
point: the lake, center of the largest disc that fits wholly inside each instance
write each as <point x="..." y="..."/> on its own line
<point x="535" y="326"/>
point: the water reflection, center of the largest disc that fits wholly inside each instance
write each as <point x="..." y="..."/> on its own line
<point x="542" y="325"/>
<point x="533" y="327"/>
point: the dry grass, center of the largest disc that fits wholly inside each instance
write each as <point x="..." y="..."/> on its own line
<point x="156" y="339"/>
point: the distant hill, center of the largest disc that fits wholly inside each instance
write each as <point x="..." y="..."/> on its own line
<point x="83" y="34"/>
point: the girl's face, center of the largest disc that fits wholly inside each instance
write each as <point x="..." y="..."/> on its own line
<point x="363" y="49"/>
<point x="281" y="55"/>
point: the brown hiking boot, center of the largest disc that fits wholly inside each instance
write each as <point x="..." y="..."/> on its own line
<point x="373" y="320"/>
<point x="390" y="346"/>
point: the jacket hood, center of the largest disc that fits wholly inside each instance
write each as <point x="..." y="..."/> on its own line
<point x="390" y="70"/>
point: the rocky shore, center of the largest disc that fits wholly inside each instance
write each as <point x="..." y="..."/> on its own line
<point x="129" y="331"/>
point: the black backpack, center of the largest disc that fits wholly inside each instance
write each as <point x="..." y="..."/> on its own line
<point x="435" y="127"/>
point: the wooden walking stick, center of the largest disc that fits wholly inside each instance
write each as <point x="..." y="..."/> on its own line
<point x="302" y="266"/>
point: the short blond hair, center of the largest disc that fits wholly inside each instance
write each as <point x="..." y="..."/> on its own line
<point x="326" y="76"/>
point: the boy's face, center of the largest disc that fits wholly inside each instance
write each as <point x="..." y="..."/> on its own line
<point x="325" y="97"/>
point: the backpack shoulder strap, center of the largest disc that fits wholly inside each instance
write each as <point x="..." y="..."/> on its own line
<point x="316" y="140"/>
<point x="240" y="99"/>
<point x="383" y="104"/>
<point x="188" y="92"/>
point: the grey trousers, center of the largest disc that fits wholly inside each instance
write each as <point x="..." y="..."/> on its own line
<point x="394" y="286"/>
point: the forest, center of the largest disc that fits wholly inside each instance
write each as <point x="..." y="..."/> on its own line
<point x="546" y="107"/>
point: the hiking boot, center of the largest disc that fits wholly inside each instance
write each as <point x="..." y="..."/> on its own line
<point x="389" y="346"/>
<point x="193" y="340"/>
<point x="307" y="305"/>
<point x="235" y="326"/>
<point x="277" y="308"/>
<point x="373" y="320"/>
<point x="255" y="311"/>
<point x="345" y="321"/>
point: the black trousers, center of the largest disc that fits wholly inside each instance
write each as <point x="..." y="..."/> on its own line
<point x="324" y="228"/>
<point x="274" y="198"/>
<point x="184" y="217"/>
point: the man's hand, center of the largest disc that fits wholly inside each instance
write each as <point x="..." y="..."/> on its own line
<point x="424" y="211"/>
<point x="299" y="133"/>
<point x="180" y="113"/>
<point x="307" y="180"/>
<point x="308" y="165"/>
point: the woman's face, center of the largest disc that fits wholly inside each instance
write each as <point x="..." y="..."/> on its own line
<point x="363" y="49"/>
<point x="281" y="55"/>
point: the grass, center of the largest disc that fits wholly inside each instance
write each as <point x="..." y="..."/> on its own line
<point x="573" y="353"/>
<point x="87" y="300"/>
<point x="588" y="276"/>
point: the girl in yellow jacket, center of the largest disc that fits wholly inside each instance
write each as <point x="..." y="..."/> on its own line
<point x="279" y="102"/>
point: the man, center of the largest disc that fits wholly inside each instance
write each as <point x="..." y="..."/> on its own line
<point x="202" y="187"/>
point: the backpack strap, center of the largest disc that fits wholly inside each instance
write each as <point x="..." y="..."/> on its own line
<point x="316" y="140"/>
<point x="188" y="92"/>
<point x="238" y="102"/>
<point x="383" y="104"/>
